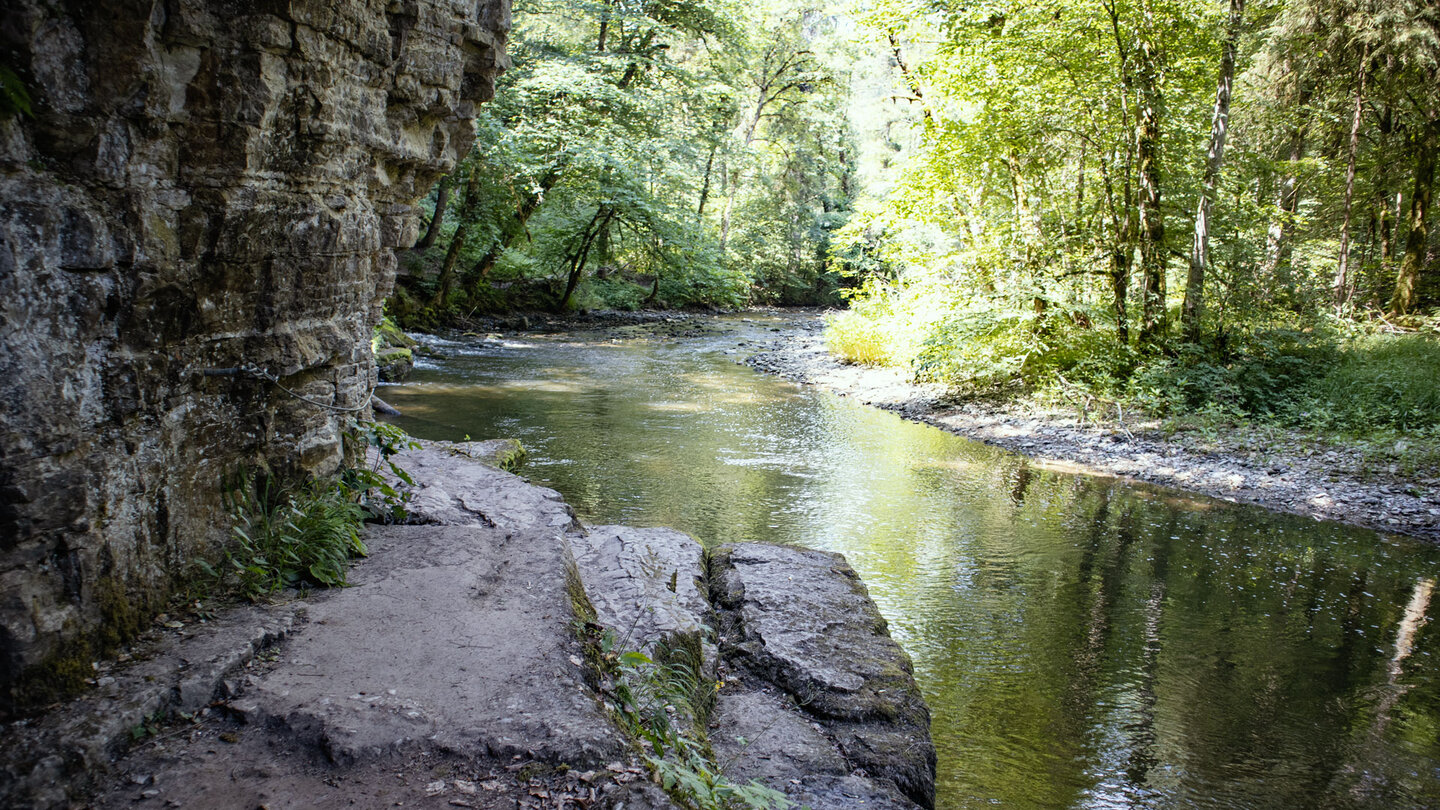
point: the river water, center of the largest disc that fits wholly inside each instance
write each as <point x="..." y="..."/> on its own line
<point x="1082" y="642"/>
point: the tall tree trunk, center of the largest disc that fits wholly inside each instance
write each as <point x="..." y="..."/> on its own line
<point x="1122" y="250"/>
<point x="727" y="189"/>
<point x="1389" y="215"/>
<point x="1152" y="218"/>
<point x="705" y="187"/>
<point x="1214" y="158"/>
<point x="457" y="242"/>
<point x="1408" y="278"/>
<point x="511" y="229"/>
<point x="588" y="237"/>
<point x="442" y="199"/>
<point x="1344" y="285"/>
<point x="1123" y="215"/>
<point x="1287" y="203"/>
<point x="912" y="81"/>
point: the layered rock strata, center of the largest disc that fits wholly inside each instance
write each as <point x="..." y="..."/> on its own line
<point x="202" y="185"/>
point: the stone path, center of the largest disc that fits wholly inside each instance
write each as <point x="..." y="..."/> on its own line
<point x="450" y="675"/>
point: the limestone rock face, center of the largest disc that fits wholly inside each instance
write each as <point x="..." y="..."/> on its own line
<point x="802" y="625"/>
<point x="203" y="184"/>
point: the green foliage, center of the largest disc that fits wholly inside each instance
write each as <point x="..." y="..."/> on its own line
<point x="1380" y="381"/>
<point x="1002" y="248"/>
<point x="856" y="337"/>
<point x="675" y="154"/>
<point x="663" y="703"/>
<point x="308" y="534"/>
<point x="1261" y="375"/>
<point x="14" y="97"/>
<point x="287" y="538"/>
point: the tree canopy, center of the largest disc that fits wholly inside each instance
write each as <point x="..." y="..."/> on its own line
<point x="1106" y="192"/>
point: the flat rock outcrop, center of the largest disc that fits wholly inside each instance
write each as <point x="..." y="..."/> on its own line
<point x="816" y="662"/>
<point x="452" y="673"/>
<point x="202" y="185"/>
<point x="648" y="585"/>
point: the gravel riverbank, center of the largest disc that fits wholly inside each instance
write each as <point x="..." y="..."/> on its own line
<point x="1276" y="469"/>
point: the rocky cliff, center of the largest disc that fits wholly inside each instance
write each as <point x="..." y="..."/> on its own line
<point x="202" y="185"/>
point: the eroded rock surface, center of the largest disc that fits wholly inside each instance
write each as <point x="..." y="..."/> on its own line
<point x="203" y="185"/>
<point x="800" y="626"/>
<point x="451" y="674"/>
<point x="645" y="584"/>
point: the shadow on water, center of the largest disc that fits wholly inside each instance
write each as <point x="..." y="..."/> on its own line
<point x="1082" y="642"/>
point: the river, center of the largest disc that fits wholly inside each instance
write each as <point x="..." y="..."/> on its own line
<point x="1082" y="642"/>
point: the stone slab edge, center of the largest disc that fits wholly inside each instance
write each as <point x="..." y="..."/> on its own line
<point x="70" y="747"/>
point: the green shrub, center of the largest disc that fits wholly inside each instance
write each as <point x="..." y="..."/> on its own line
<point x="1383" y="381"/>
<point x="1259" y="374"/>
<point x="287" y="538"/>
<point x="609" y="293"/>
<point x="856" y="338"/>
<point x="978" y="349"/>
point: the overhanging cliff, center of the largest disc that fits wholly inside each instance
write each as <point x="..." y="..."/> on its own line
<point x="202" y="184"/>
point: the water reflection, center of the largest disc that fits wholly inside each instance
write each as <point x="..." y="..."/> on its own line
<point x="1082" y="643"/>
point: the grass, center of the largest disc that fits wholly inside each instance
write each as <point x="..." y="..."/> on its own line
<point x="285" y="538"/>
<point x="1380" y="382"/>
<point x="856" y="339"/>
<point x="663" y="703"/>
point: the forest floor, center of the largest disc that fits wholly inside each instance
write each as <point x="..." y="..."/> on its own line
<point x="1326" y="479"/>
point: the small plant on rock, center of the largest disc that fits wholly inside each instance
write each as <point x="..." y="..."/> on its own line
<point x="378" y="444"/>
<point x="288" y="538"/>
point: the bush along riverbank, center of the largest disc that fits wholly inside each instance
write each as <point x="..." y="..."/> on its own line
<point x="1386" y="478"/>
<point x="496" y="652"/>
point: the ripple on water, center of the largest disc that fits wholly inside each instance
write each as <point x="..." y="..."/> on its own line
<point x="1082" y="643"/>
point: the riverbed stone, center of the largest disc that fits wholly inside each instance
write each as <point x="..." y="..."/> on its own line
<point x="803" y="621"/>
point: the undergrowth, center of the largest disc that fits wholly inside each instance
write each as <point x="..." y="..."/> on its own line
<point x="308" y="534"/>
<point x="284" y="538"/>
<point x="663" y="703"/>
<point x="1321" y="375"/>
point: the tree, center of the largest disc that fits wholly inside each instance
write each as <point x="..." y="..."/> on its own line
<point x="1214" y="158"/>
